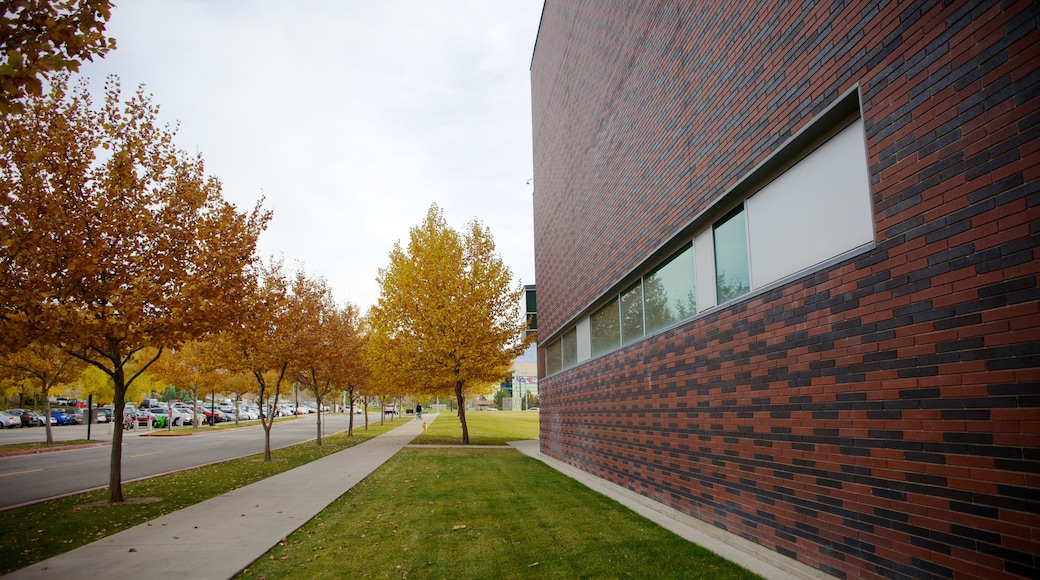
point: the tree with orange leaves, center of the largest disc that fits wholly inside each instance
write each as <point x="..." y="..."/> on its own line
<point x="114" y="240"/>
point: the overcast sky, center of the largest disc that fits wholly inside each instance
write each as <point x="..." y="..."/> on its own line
<point x="350" y="117"/>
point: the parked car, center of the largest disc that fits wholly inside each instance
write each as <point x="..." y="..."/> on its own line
<point x="188" y="415"/>
<point x="61" y="417"/>
<point x="143" y="417"/>
<point x="10" y="419"/>
<point x="104" y="415"/>
<point x="176" y="415"/>
<point x="32" y="419"/>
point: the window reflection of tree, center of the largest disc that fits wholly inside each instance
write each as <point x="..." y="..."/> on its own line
<point x="730" y="289"/>
<point x="632" y="314"/>
<point x="606" y="329"/>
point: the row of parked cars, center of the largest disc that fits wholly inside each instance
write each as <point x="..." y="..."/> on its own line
<point x="155" y="415"/>
<point x="12" y="418"/>
<point x="181" y="413"/>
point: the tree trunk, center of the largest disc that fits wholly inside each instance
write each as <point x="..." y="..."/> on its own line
<point x="319" y="423"/>
<point x="115" y="471"/>
<point x="460" y="398"/>
<point x="47" y="418"/>
<point x="266" y="419"/>
<point x="350" y="411"/>
<point x="195" y="407"/>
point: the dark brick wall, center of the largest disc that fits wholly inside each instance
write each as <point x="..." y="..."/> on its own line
<point x="880" y="418"/>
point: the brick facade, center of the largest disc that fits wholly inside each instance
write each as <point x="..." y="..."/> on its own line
<point x="876" y="418"/>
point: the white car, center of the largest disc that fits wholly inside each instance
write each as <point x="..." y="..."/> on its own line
<point x="176" y="414"/>
<point x="10" y="419"/>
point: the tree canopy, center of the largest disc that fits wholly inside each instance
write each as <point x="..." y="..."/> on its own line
<point x="40" y="37"/>
<point x="447" y="320"/>
<point x="113" y="240"/>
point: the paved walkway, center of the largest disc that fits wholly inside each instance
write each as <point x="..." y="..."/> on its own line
<point x="220" y="536"/>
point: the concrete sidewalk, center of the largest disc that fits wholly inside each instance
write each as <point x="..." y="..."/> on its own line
<point x="220" y="536"/>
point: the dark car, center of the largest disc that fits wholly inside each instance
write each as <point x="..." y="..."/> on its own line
<point x="32" y="419"/>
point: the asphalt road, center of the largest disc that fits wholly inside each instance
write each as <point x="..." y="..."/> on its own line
<point x="30" y="478"/>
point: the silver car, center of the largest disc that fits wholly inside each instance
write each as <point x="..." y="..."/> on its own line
<point x="10" y="419"/>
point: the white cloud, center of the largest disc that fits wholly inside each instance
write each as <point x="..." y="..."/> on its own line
<point x="350" y="117"/>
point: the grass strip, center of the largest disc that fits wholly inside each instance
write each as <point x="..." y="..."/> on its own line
<point x="482" y="513"/>
<point x="50" y="528"/>
<point x="485" y="428"/>
<point x="43" y="445"/>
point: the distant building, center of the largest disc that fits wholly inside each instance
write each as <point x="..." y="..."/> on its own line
<point x="524" y="380"/>
<point x="787" y="259"/>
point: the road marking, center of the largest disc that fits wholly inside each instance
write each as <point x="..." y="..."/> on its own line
<point x="20" y="472"/>
<point x="144" y="454"/>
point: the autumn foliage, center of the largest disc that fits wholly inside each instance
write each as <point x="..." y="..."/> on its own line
<point x="114" y="240"/>
<point x="448" y="321"/>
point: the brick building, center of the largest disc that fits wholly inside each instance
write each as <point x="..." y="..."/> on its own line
<point x="787" y="269"/>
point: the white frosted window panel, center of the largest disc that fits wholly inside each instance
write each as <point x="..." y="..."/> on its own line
<point x="704" y="247"/>
<point x="818" y="209"/>
<point x="584" y="340"/>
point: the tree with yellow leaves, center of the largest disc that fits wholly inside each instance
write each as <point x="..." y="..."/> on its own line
<point x="114" y="240"/>
<point x="45" y="365"/>
<point x="447" y="320"/>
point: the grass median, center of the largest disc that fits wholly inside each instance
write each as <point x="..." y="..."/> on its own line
<point x="54" y="527"/>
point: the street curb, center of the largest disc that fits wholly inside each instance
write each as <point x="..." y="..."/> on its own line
<point x="52" y="449"/>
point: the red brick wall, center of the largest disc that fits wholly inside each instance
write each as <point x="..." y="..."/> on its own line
<point x="879" y="418"/>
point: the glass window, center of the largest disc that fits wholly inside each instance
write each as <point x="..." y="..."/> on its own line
<point x="732" y="274"/>
<point x="669" y="292"/>
<point x="632" y="313"/>
<point x="553" y="360"/>
<point x="605" y="329"/>
<point x="532" y="304"/>
<point x="570" y="348"/>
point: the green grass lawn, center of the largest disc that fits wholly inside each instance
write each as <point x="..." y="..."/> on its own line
<point x="485" y="428"/>
<point x="482" y="513"/>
